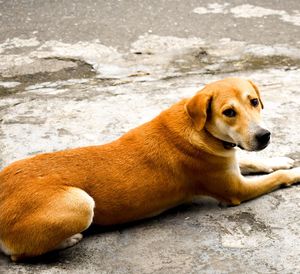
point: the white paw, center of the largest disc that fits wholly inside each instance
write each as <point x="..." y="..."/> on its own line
<point x="73" y="240"/>
<point x="277" y="163"/>
<point x="294" y="175"/>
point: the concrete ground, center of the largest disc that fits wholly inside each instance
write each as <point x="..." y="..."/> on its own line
<point x="84" y="72"/>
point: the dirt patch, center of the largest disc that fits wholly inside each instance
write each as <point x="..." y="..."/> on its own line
<point x="62" y="69"/>
<point x="203" y="62"/>
<point x="249" y="219"/>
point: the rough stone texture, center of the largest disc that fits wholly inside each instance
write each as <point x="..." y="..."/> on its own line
<point x="82" y="73"/>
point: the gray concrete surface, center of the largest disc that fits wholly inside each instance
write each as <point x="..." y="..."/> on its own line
<point x="84" y="72"/>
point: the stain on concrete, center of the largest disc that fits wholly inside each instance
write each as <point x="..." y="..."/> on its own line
<point x="201" y="59"/>
<point x="45" y="70"/>
<point x="250" y="219"/>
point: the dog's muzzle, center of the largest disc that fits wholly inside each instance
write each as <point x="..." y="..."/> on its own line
<point x="262" y="138"/>
<point x="261" y="141"/>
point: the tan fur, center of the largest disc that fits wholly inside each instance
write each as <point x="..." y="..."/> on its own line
<point x="180" y="154"/>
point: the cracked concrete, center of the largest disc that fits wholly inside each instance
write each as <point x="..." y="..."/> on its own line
<point x="75" y="74"/>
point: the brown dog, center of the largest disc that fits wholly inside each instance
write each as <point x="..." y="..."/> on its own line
<point x="186" y="151"/>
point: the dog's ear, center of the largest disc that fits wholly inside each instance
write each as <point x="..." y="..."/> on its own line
<point x="197" y="108"/>
<point x="257" y="92"/>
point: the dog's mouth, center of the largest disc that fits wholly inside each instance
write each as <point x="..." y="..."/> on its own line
<point x="228" y="145"/>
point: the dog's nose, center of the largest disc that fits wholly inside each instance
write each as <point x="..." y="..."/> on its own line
<point x="263" y="137"/>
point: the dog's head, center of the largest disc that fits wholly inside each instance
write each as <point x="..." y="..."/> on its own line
<point x="230" y="111"/>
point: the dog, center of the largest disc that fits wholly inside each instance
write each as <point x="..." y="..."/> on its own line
<point x="187" y="151"/>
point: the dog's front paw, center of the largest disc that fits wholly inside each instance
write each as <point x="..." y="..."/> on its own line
<point x="276" y="163"/>
<point x="293" y="175"/>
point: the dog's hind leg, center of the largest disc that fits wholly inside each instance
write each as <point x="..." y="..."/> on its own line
<point x="55" y="225"/>
<point x="73" y="240"/>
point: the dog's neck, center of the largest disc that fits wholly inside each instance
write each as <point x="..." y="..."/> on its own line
<point x="207" y="142"/>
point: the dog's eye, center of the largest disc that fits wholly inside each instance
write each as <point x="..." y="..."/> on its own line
<point x="229" y="112"/>
<point x="254" y="102"/>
